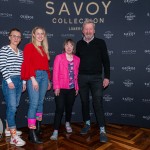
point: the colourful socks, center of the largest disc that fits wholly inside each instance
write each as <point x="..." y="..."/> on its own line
<point x="32" y="123"/>
<point x="39" y="116"/>
<point x="13" y="132"/>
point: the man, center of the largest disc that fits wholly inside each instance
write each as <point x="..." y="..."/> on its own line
<point x="93" y="59"/>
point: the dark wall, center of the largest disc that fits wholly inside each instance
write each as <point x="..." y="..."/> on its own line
<point x="123" y="24"/>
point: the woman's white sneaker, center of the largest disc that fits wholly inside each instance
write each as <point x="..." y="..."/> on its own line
<point x="16" y="140"/>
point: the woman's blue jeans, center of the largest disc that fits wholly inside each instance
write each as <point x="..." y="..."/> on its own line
<point x="12" y="98"/>
<point x="36" y="97"/>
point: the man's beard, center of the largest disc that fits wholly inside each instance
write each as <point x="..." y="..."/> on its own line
<point x="89" y="37"/>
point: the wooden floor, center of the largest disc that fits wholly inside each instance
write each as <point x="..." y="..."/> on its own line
<point x="121" y="137"/>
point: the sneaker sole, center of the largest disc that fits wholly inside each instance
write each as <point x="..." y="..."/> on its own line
<point x="103" y="141"/>
<point x="17" y="144"/>
<point x="83" y="133"/>
<point x="69" y="131"/>
<point x="54" y="139"/>
<point x="8" y="134"/>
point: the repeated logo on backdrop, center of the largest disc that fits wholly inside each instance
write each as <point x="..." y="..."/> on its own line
<point x="27" y="1"/>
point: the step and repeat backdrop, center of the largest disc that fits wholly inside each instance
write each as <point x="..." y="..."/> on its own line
<point x="123" y="24"/>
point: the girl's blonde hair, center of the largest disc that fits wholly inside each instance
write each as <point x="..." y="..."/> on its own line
<point x="44" y="43"/>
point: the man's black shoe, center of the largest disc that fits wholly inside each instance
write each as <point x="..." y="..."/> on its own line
<point x="85" y="129"/>
<point x="103" y="137"/>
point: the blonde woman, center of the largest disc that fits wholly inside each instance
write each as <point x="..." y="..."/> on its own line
<point x="35" y="69"/>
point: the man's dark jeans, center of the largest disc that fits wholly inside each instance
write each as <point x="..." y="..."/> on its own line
<point x="94" y="84"/>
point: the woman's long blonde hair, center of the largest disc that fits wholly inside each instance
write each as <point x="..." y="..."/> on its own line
<point x="44" y="43"/>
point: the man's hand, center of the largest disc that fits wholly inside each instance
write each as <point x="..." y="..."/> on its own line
<point x="105" y="82"/>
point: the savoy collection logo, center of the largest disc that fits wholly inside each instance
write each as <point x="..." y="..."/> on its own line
<point x="128" y="68"/>
<point x="130" y="1"/>
<point x="128" y="83"/>
<point x="130" y="16"/>
<point x="108" y="35"/>
<point x="76" y="8"/>
<point x="128" y="52"/>
<point x="73" y="10"/>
